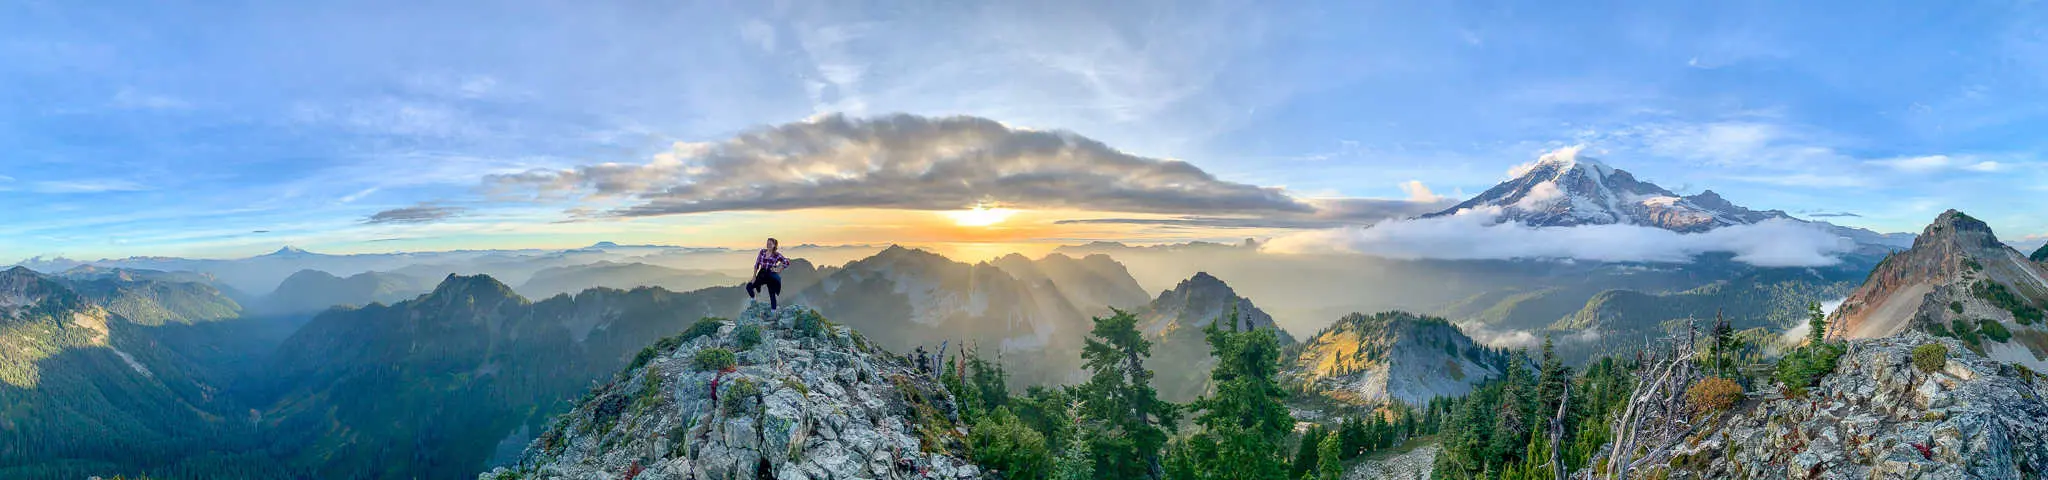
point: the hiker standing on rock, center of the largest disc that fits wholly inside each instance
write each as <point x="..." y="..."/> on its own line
<point x="768" y="267"/>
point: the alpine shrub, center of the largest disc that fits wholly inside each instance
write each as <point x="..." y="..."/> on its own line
<point x="747" y="337"/>
<point x="1713" y="395"/>
<point x="1930" y="357"/>
<point x="1803" y="367"/>
<point x="1001" y="442"/>
<point x="714" y="359"/>
<point x="704" y="326"/>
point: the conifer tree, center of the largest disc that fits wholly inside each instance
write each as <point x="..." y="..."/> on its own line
<point x="1329" y="459"/>
<point x="1119" y="395"/>
<point x="1816" y="324"/>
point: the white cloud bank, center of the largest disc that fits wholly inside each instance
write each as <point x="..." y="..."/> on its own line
<point x="1475" y="235"/>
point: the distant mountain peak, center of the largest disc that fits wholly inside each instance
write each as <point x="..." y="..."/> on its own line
<point x="477" y="287"/>
<point x="1565" y="188"/>
<point x="289" y="251"/>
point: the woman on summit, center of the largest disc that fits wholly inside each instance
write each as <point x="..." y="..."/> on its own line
<point x="768" y="267"/>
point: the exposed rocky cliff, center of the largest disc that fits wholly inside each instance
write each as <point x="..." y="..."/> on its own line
<point x="1956" y="280"/>
<point x="811" y="400"/>
<point x="1880" y="416"/>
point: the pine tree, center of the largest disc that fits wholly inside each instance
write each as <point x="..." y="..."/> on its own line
<point x="1119" y="395"/>
<point x="1723" y="347"/>
<point x="1245" y="421"/>
<point x="1305" y="453"/>
<point x="1074" y="461"/>
<point x="1816" y="324"/>
<point x="1329" y="458"/>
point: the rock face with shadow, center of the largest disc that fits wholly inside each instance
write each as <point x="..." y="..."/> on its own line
<point x="1881" y="416"/>
<point x="809" y="400"/>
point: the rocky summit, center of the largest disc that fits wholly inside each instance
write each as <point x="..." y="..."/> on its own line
<point x="797" y="398"/>
<point x="1879" y="415"/>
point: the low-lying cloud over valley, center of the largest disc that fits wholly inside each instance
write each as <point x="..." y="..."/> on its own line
<point x="1475" y="235"/>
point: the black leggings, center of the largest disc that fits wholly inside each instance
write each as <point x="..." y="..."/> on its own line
<point x="768" y="279"/>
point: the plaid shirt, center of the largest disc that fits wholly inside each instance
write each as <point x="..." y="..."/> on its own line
<point x="769" y="260"/>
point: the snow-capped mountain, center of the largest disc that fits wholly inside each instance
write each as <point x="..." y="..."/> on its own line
<point x="1564" y="188"/>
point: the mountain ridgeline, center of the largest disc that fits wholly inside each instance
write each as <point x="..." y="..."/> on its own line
<point x="1958" y="280"/>
<point x="1174" y="323"/>
<point x="1389" y="356"/>
<point x="908" y="298"/>
<point x="87" y="391"/>
<point x="310" y="291"/>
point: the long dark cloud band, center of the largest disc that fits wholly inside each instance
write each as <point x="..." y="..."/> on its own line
<point x="907" y="162"/>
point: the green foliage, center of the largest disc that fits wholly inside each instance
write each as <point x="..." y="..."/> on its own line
<point x="1816" y="324"/>
<point x="1329" y="458"/>
<point x="714" y="359"/>
<point x="1075" y="460"/>
<point x="1966" y="331"/>
<point x="703" y="327"/>
<point x="1118" y="394"/>
<point x="2023" y="310"/>
<point x="1993" y="330"/>
<point x="2040" y="254"/>
<point x="812" y="325"/>
<point x="1930" y="357"/>
<point x="1245" y="422"/>
<point x="1803" y="367"/>
<point x="1305" y="451"/>
<point x="739" y="396"/>
<point x="1955" y="306"/>
<point x="660" y="347"/>
<point x="746" y="337"/>
<point x="1499" y="430"/>
<point x="1002" y="442"/>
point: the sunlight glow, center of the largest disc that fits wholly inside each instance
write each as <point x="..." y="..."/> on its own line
<point x="980" y="216"/>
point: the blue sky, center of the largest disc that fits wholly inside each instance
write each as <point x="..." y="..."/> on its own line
<point x="228" y="129"/>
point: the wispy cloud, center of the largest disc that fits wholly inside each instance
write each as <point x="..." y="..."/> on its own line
<point x="87" y="186"/>
<point x="1934" y="163"/>
<point x="351" y="198"/>
<point x="130" y="98"/>
<point x="421" y="213"/>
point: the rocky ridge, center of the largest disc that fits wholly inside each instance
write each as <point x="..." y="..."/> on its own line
<point x="1371" y="359"/>
<point x="1957" y="273"/>
<point x="1879" y="416"/>
<point x="811" y="400"/>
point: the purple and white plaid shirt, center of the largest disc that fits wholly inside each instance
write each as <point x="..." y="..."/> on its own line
<point x="767" y="260"/>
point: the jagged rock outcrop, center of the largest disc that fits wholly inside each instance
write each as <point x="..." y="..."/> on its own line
<point x="1371" y="359"/>
<point x="810" y="401"/>
<point x="1880" y="417"/>
<point x="1957" y="273"/>
<point x="1175" y="321"/>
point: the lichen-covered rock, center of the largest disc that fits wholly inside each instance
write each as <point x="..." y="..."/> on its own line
<point x="1879" y="417"/>
<point x="803" y="404"/>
